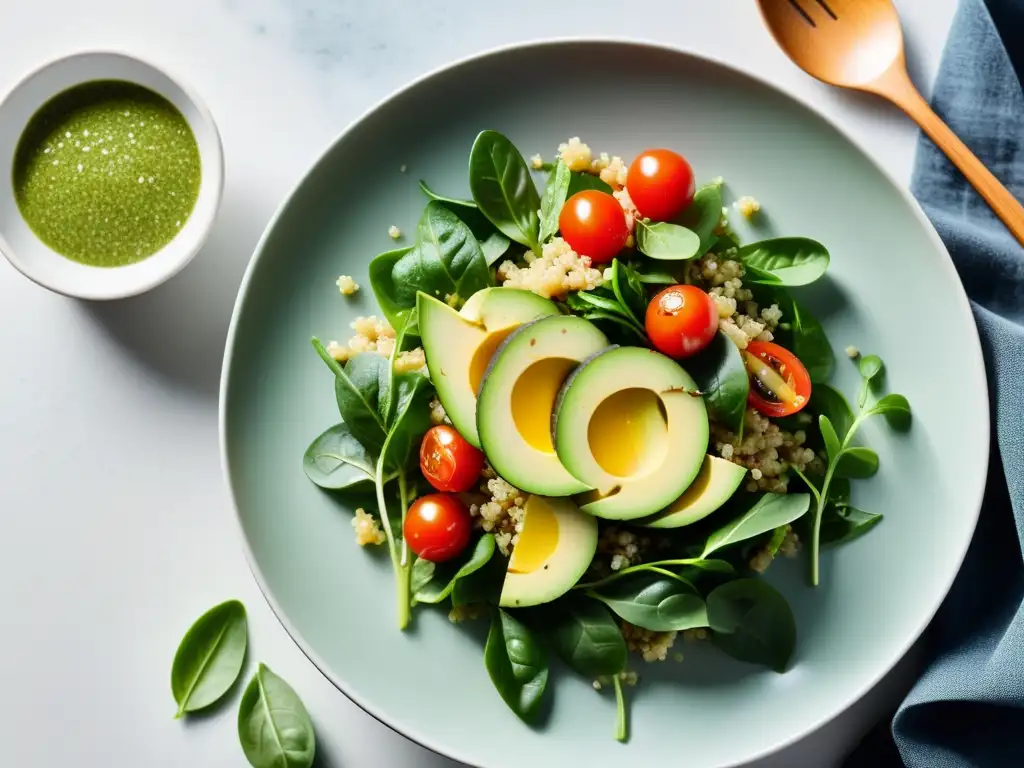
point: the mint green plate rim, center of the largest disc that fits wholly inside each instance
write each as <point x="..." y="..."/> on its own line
<point x="971" y="359"/>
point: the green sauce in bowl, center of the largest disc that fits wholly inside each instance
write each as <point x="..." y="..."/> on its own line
<point x="107" y="173"/>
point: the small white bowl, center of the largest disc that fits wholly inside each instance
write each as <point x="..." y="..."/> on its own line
<point x="39" y="262"/>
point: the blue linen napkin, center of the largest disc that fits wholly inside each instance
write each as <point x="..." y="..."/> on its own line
<point x="967" y="709"/>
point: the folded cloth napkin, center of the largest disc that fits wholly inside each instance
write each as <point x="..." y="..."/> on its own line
<point x="967" y="709"/>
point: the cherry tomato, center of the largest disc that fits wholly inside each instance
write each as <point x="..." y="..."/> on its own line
<point x="437" y="527"/>
<point x="779" y="383"/>
<point x="660" y="183"/>
<point x="594" y="224"/>
<point x="681" y="320"/>
<point x="448" y="461"/>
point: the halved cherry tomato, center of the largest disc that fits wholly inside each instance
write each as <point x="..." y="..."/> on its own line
<point x="437" y="527"/>
<point x="448" y="461"/>
<point x="681" y="320"/>
<point x="660" y="183"/>
<point x="779" y="383"/>
<point x="594" y="224"/>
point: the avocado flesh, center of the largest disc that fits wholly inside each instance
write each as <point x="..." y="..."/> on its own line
<point x="517" y="399"/>
<point x="631" y="425"/>
<point x="555" y="549"/>
<point x="459" y="345"/>
<point x="715" y="484"/>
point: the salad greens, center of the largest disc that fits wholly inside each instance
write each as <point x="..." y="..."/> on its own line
<point x="210" y="657"/>
<point x="273" y="726"/>
<point x="517" y="664"/>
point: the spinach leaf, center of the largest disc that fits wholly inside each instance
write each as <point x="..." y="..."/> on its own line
<point x="483" y="585"/>
<point x="655" y="602"/>
<point x="443" y="576"/>
<point x="810" y="344"/>
<point x="842" y="523"/>
<point x="503" y="189"/>
<point x="584" y="635"/>
<point x="722" y="377"/>
<point x="869" y="366"/>
<point x="828" y="434"/>
<point x="896" y="410"/>
<point x="273" y="726"/>
<point x="517" y="664"/>
<point x="336" y="460"/>
<point x="752" y="622"/>
<point x="492" y="242"/>
<point x="583" y="301"/>
<point x="857" y="462"/>
<point x="555" y="194"/>
<point x="412" y="392"/>
<point x="580" y="181"/>
<point x="210" y="657"/>
<point x="829" y="401"/>
<point x="654" y="272"/>
<point x="666" y="242"/>
<point x="384" y="290"/>
<point x="629" y="292"/>
<point x="788" y="261"/>
<point x="356" y="389"/>
<point x="768" y="512"/>
<point x="703" y="215"/>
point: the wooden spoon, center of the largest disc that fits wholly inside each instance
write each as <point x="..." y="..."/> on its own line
<point x="859" y="44"/>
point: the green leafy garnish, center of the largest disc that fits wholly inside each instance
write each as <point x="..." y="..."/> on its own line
<point x="503" y="188"/>
<point x="210" y="657"/>
<point x="517" y="664"/>
<point x="274" y="727"/>
<point x="790" y="261"/>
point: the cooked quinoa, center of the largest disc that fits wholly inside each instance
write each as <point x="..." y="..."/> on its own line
<point x="766" y="450"/>
<point x="619" y="548"/>
<point x="537" y="162"/>
<point x="611" y="170"/>
<point x="558" y="270"/>
<point x="852" y="352"/>
<point x="394" y="232"/>
<point x="499" y="510"/>
<point x="368" y="530"/>
<point x="764" y="556"/>
<point x="410" y="360"/>
<point x="371" y="335"/>
<point x="739" y="317"/>
<point x="575" y="154"/>
<point x="748" y="206"/>
<point x="652" y="646"/>
<point x="346" y="285"/>
<point x="437" y="413"/>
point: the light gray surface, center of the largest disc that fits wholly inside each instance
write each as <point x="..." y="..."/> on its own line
<point x="117" y="531"/>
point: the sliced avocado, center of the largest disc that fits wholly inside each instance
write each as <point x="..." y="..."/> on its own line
<point x="555" y="548"/>
<point x="631" y="425"/>
<point x="459" y="345"/>
<point x="714" y="485"/>
<point x="513" y="414"/>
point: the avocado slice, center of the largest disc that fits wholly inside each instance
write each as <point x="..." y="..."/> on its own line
<point x="714" y="485"/>
<point x="513" y="414"/>
<point x="459" y="345"/>
<point x="555" y="548"/>
<point x="631" y="425"/>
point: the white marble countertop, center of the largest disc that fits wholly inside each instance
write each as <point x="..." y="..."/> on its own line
<point x="117" y="530"/>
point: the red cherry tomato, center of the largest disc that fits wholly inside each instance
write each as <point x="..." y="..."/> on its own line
<point x="779" y="383"/>
<point x="660" y="183"/>
<point x="437" y="527"/>
<point x="594" y="224"/>
<point x="681" y="320"/>
<point x="448" y="461"/>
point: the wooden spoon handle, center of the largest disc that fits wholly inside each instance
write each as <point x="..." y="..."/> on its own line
<point x="896" y="86"/>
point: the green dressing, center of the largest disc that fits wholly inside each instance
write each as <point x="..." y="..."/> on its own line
<point x="107" y="173"/>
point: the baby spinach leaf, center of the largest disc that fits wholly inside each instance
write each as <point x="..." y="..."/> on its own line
<point x="753" y="623"/>
<point x="842" y="523"/>
<point x="483" y="585"/>
<point x="422" y="573"/>
<point x="273" y="725"/>
<point x="451" y="201"/>
<point x="703" y="215"/>
<point x="839" y="491"/>
<point x="580" y="181"/>
<point x="492" y="242"/>
<point x="503" y="189"/>
<point x="553" y="199"/>
<point x="583" y="301"/>
<point x="810" y="344"/>
<point x="666" y="242"/>
<point x="358" y="398"/>
<point x="386" y="374"/>
<point x="336" y="460"/>
<point x="829" y="401"/>
<point x="654" y="602"/>
<point x="517" y="664"/>
<point x="828" y="433"/>
<point x="383" y="285"/>
<point x="769" y="512"/>
<point x="896" y="409"/>
<point x="443" y="576"/>
<point x="412" y="393"/>
<point x="654" y="272"/>
<point x="584" y="635"/>
<point x="723" y="379"/>
<point x="869" y="366"/>
<point x="857" y="462"/>
<point x="630" y="294"/>
<point x="788" y="261"/>
<point x="210" y="657"/>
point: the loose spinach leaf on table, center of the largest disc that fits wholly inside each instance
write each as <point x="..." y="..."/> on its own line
<point x="517" y="664"/>
<point x="434" y="582"/>
<point x="654" y="602"/>
<point x="357" y="391"/>
<point x="273" y="725"/>
<point x="210" y="657"/>
<point x="551" y="202"/>
<point x="580" y="181"/>
<point x="503" y="188"/>
<point x="769" y="512"/>
<point x="703" y="215"/>
<point x="584" y="635"/>
<point x="723" y="380"/>
<point x="666" y="241"/>
<point x="492" y="242"/>
<point x="336" y="460"/>
<point x="752" y="622"/>
<point x="790" y="261"/>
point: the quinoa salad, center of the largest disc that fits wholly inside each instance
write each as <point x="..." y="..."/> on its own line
<point x="590" y="416"/>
